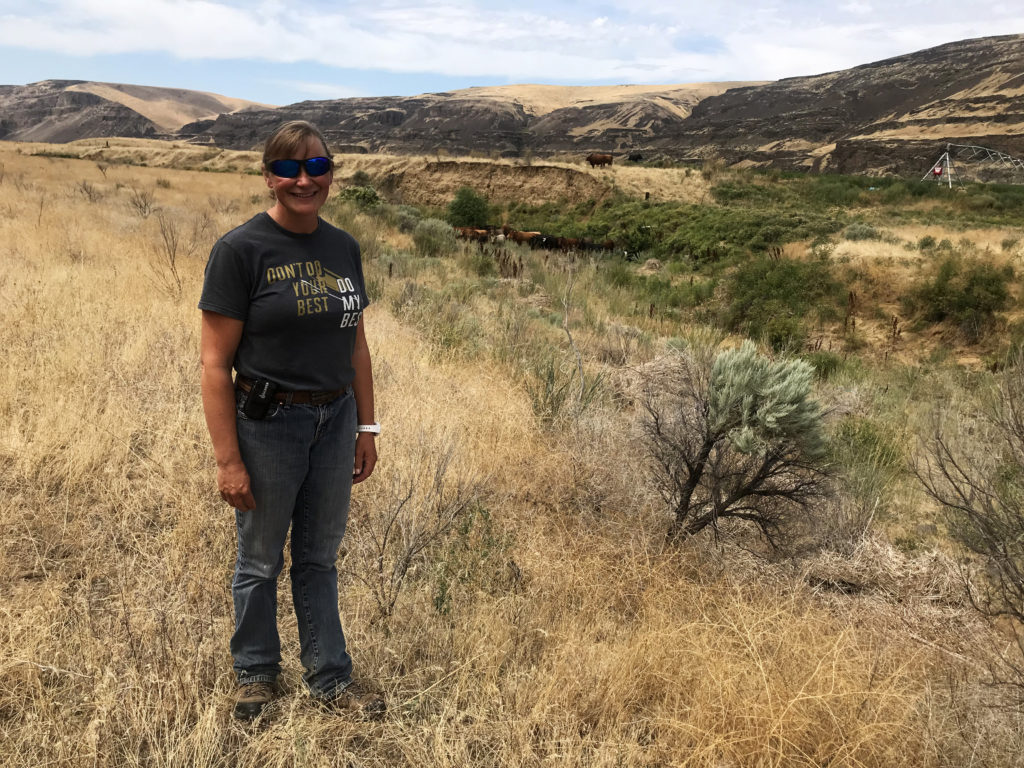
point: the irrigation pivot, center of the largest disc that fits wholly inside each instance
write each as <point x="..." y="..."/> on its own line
<point x="980" y="163"/>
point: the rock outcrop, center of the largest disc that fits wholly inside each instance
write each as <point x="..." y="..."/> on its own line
<point x="50" y="111"/>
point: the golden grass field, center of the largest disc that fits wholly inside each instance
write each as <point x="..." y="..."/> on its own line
<point x="552" y="628"/>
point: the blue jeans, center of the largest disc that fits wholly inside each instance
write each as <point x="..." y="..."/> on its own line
<point x="300" y="460"/>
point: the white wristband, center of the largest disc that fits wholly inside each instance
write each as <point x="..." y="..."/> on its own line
<point x="373" y="429"/>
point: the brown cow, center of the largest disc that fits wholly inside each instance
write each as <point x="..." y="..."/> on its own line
<point x="520" y="237"/>
<point x="595" y="159"/>
<point x="479" y="236"/>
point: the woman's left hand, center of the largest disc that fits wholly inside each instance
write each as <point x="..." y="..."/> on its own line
<point x="366" y="456"/>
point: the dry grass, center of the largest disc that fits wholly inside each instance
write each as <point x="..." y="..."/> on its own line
<point x="567" y="635"/>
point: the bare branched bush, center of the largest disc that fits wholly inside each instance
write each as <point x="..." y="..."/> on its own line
<point x="417" y="505"/>
<point x="141" y="201"/>
<point x="89" y="191"/>
<point x="736" y="436"/>
<point x="982" y="494"/>
<point x="223" y="205"/>
<point x="174" y="243"/>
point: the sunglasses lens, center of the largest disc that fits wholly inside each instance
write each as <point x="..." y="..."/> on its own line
<point x="286" y="169"/>
<point x="317" y="166"/>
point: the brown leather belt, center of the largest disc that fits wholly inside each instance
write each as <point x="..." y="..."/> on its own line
<point x="299" y="396"/>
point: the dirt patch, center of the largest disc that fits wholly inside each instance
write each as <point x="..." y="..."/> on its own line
<point x="435" y="183"/>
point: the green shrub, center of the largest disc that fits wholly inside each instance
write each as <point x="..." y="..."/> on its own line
<point x="474" y="559"/>
<point x="468" y="209"/>
<point x="695" y="293"/>
<point x="771" y="299"/>
<point x="895" y="193"/>
<point x="433" y="237"/>
<point x="446" y="320"/>
<point x="402" y="217"/>
<point x="926" y="243"/>
<point x="360" y="179"/>
<point x="980" y="202"/>
<point x="870" y="456"/>
<point x="406" y="218"/>
<point x="740" y="436"/>
<point x="1009" y="243"/>
<point x="364" y="197"/>
<point x="477" y="262"/>
<point x="965" y="292"/>
<point x="825" y="364"/>
<point x="839" y="190"/>
<point x="861" y="231"/>
<point x="706" y="233"/>
<point x="618" y="274"/>
<point x="555" y="389"/>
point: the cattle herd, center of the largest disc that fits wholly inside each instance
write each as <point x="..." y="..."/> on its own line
<point x="536" y="240"/>
<point x="539" y="240"/>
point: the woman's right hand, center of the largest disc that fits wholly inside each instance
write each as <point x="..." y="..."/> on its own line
<point x="233" y="483"/>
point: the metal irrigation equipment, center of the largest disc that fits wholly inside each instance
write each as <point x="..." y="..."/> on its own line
<point x="981" y="163"/>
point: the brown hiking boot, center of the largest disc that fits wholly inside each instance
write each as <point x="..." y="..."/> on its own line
<point x="252" y="698"/>
<point x="358" y="698"/>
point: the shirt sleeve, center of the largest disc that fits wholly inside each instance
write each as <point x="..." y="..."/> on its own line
<point x="227" y="283"/>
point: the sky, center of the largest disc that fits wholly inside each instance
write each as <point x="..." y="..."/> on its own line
<point x="280" y="52"/>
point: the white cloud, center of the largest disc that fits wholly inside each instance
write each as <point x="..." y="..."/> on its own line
<point x="859" y="9"/>
<point x="322" y="90"/>
<point x="646" y="41"/>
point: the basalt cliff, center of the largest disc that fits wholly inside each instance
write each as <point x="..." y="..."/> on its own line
<point x="893" y="116"/>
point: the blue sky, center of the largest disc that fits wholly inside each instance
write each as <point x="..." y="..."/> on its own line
<point x="281" y="52"/>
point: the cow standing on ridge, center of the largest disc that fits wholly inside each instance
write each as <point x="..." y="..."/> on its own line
<point x="595" y="159"/>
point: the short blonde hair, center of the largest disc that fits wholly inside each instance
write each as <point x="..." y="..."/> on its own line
<point x="289" y="138"/>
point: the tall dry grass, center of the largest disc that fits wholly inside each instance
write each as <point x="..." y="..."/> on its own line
<point x="548" y="626"/>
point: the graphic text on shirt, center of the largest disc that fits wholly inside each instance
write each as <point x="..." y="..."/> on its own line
<point x="314" y="286"/>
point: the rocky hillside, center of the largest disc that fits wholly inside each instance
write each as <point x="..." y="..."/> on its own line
<point x="508" y="121"/>
<point x="65" y="110"/>
<point x="893" y="116"/>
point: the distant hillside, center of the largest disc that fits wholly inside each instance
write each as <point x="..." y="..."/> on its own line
<point x="507" y="120"/>
<point x="892" y="116"/>
<point x="66" y="110"/>
<point x="889" y="116"/>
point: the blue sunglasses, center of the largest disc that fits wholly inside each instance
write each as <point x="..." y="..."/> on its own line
<point x="289" y="169"/>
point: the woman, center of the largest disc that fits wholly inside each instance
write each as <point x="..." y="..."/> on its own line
<point x="282" y="304"/>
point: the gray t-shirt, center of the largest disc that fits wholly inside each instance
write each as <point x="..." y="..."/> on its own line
<point x="299" y="295"/>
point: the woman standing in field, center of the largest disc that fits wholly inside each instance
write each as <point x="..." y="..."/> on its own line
<point x="282" y="304"/>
